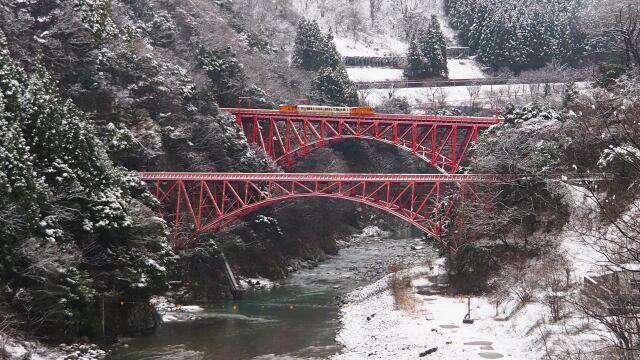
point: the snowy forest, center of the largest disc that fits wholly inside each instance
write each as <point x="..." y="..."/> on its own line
<point x="94" y="92"/>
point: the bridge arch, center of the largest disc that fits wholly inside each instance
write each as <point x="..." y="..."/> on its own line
<point x="295" y="155"/>
<point x="441" y="141"/>
<point x="431" y="227"/>
<point x="211" y="201"/>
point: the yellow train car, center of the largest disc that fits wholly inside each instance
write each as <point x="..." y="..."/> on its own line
<point x="327" y="110"/>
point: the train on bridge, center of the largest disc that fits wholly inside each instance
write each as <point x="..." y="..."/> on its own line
<point x="327" y="110"/>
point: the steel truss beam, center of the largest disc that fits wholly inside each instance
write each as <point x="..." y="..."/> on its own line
<point x="196" y="203"/>
<point x="442" y="141"/>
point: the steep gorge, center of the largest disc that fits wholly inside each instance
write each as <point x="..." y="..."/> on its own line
<point x="147" y="78"/>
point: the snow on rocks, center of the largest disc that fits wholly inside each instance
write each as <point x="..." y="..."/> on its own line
<point x="11" y="348"/>
<point x="82" y="352"/>
<point x="372" y="326"/>
<point x="374" y="231"/>
<point x="257" y="283"/>
<point x="174" y="312"/>
<point x="19" y="350"/>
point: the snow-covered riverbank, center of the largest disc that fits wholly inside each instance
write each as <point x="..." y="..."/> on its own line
<point x="17" y="349"/>
<point x="372" y="326"/>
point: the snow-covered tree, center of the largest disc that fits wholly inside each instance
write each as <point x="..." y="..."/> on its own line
<point x="437" y="50"/>
<point x="332" y="86"/>
<point x="427" y="56"/>
<point x="417" y="63"/>
<point x="19" y="184"/>
<point x="69" y="216"/>
<point x="613" y="27"/>
<point x="226" y="74"/>
<point x="410" y="15"/>
<point x="313" y="49"/>
<point x="96" y="16"/>
<point x="519" y="34"/>
<point x="374" y="8"/>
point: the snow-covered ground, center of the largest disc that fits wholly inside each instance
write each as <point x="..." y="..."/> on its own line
<point x="372" y="326"/>
<point x="461" y="95"/>
<point x="374" y="231"/>
<point x="371" y="45"/>
<point x="15" y="349"/>
<point x="464" y="69"/>
<point x="385" y="38"/>
<point x="584" y="210"/>
<point x="364" y="74"/>
<point x="380" y="39"/>
<point x="458" y="69"/>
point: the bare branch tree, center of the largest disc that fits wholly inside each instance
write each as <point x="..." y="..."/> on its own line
<point x="615" y="25"/>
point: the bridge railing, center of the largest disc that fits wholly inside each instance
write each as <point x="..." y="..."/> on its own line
<point x="266" y="114"/>
<point x="420" y="178"/>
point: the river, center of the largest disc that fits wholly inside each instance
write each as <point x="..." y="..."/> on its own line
<point x="297" y="320"/>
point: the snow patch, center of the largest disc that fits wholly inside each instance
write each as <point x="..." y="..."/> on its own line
<point x="372" y="326"/>
<point x="257" y="283"/>
<point x="20" y="349"/>
<point x="460" y="95"/>
<point x="374" y="45"/>
<point x="464" y="69"/>
<point x="374" y="231"/>
<point x="367" y="74"/>
<point x="171" y="312"/>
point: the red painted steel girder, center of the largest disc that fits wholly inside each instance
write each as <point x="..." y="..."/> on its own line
<point x="198" y="203"/>
<point x="442" y="141"/>
<point x="409" y="118"/>
<point x="421" y="178"/>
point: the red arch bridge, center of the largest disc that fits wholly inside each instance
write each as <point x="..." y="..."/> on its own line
<point x="197" y="203"/>
<point x="442" y="141"/>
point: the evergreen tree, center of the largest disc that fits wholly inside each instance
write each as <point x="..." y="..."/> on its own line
<point x="331" y="55"/>
<point x="226" y="74"/>
<point x="436" y="48"/>
<point x="313" y="50"/>
<point x="518" y="34"/>
<point x="70" y="227"/>
<point x="427" y="56"/>
<point x="418" y="65"/>
<point x="333" y="87"/>
<point x="570" y="93"/>
<point x="19" y="185"/>
<point x="317" y="52"/>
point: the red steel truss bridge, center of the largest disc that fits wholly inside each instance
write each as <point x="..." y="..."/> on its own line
<point x="197" y="203"/>
<point x="442" y="141"/>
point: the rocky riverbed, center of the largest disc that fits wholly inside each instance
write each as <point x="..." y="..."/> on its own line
<point x="297" y="318"/>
